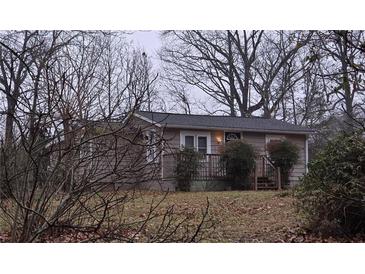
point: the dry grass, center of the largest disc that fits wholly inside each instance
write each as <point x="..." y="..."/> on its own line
<point x="238" y="216"/>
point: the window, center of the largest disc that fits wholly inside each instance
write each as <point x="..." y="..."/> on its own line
<point x="199" y="140"/>
<point x="151" y="149"/>
<point x="189" y="141"/>
<point x="274" y="138"/>
<point x="229" y="136"/>
<point x="202" y="144"/>
<point x="274" y="141"/>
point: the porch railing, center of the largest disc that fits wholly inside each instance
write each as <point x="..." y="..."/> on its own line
<point x="210" y="167"/>
<point x="265" y="174"/>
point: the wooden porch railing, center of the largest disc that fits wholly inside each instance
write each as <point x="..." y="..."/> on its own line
<point x="210" y="167"/>
<point x="264" y="176"/>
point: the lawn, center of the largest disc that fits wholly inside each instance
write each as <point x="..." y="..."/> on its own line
<point x="236" y="216"/>
<point x="233" y="216"/>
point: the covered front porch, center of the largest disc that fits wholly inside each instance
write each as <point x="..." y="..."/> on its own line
<point x="211" y="174"/>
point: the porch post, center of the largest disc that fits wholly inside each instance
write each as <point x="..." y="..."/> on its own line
<point x="210" y="159"/>
<point x="255" y="174"/>
<point x="279" y="179"/>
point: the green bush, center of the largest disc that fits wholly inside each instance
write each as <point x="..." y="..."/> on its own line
<point x="238" y="158"/>
<point x="188" y="163"/>
<point x="285" y="155"/>
<point x="331" y="196"/>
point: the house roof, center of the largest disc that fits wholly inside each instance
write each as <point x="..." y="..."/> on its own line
<point x="194" y="121"/>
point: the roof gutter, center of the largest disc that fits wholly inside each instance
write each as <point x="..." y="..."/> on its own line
<point x="306" y="132"/>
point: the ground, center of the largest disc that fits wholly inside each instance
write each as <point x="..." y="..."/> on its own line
<point x="238" y="216"/>
<point x="233" y="216"/>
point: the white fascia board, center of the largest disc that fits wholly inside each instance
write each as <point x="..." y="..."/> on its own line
<point x="240" y="129"/>
<point x="147" y="120"/>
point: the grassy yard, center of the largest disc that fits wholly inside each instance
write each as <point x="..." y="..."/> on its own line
<point x="233" y="216"/>
<point x="238" y="216"/>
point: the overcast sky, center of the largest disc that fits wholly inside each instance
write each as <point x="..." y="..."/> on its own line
<point x="148" y="40"/>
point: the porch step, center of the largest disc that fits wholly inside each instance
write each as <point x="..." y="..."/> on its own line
<point x="264" y="183"/>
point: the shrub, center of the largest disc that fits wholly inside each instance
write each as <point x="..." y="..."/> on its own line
<point x="238" y="158"/>
<point x="284" y="155"/>
<point x="331" y="196"/>
<point x="188" y="162"/>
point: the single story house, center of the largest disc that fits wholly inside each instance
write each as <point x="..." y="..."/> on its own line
<point x="141" y="150"/>
<point x="208" y="135"/>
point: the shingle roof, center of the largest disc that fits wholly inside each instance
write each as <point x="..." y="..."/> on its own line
<point x="257" y="124"/>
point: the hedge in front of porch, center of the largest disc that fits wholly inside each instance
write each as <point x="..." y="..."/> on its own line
<point x="238" y="157"/>
<point x="188" y="163"/>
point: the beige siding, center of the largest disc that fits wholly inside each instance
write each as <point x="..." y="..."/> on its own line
<point x="300" y="168"/>
<point x="172" y="143"/>
<point x="119" y="159"/>
<point x="257" y="140"/>
<point x="172" y="138"/>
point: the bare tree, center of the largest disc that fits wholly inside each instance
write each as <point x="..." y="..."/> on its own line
<point x="15" y="60"/>
<point x="308" y="105"/>
<point x="217" y="62"/>
<point x="245" y="71"/>
<point x="276" y="71"/>
<point x="65" y="180"/>
<point x="178" y="95"/>
<point x="339" y="59"/>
